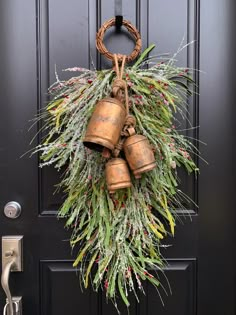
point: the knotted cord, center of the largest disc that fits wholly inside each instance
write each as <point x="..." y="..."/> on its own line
<point x="119" y="87"/>
<point x="119" y="84"/>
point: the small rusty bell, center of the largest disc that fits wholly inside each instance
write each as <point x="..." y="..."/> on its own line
<point x="139" y="155"/>
<point x="105" y="125"/>
<point x="117" y="175"/>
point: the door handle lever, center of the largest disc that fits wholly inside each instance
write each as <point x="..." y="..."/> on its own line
<point x="17" y="301"/>
<point x="5" y="279"/>
<point x="11" y="261"/>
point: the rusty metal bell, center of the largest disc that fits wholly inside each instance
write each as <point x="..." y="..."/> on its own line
<point x="139" y="155"/>
<point x="105" y="125"/>
<point x="117" y="175"/>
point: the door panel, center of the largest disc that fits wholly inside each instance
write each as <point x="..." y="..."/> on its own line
<point x="182" y="277"/>
<point x="60" y="290"/>
<point x="36" y="36"/>
<point x="171" y="27"/>
<point x="62" y="43"/>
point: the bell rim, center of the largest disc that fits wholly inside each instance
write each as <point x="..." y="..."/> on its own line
<point x="144" y="168"/>
<point x="118" y="186"/>
<point x="94" y="140"/>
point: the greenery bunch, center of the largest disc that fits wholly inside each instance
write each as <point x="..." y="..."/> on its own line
<point x="118" y="237"/>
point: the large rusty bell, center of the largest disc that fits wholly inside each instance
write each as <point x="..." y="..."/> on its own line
<point x="117" y="175"/>
<point x="105" y="125"/>
<point x="139" y="155"/>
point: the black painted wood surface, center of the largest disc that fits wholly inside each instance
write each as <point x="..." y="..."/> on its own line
<point x="36" y="35"/>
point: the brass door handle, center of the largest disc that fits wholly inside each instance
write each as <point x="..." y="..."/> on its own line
<point x="5" y="280"/>
<point x="11" y="261"/>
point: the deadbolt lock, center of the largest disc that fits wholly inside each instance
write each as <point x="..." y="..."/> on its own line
<point x="12" y="210"/>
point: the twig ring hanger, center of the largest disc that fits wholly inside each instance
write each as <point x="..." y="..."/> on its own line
<point x="131" y="28"/>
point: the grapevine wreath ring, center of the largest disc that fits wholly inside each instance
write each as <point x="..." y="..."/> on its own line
<point x="113" y="132"/>
<point x="132" y="30"/>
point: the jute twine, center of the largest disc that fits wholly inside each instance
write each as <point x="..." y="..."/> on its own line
<point x="120" y="86"/>
<point x="131" y="28"/>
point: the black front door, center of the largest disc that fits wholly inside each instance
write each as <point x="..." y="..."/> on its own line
<point x="36" y="35"/>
